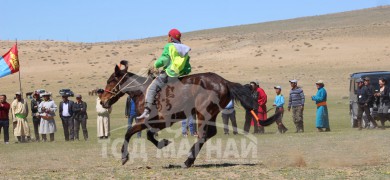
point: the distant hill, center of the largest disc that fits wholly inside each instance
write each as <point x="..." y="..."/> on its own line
<point x="327" y="47"/>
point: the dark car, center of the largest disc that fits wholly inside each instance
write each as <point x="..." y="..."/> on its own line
<point x="374" y="82"/>
<point x="67" y="92"/>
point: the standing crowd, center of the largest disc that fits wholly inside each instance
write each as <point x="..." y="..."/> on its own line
<point x="367" y="97"/>
<point x="296" y="104"/>
<point x="73" y="115"/>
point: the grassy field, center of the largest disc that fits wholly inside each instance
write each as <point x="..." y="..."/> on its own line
<point x="328" y="47"/>
<point x="343" y="153"/>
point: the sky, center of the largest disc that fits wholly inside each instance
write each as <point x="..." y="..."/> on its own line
<point x="113" y="20"/>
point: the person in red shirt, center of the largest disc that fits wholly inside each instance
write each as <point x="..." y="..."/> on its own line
<point x="260" y="96"/>
<point x="4" y="118"/>
<point x="262" y="102"/>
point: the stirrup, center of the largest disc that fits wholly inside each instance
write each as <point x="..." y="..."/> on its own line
<point x="144" y="115"/>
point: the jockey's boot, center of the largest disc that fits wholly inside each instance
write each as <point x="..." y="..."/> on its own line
<point x="146" y="112"/>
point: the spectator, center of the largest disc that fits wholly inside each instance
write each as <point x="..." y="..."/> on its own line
<point x="322" y="119"/>
<point x="229" y="113"/>
<point x="4" y="117"/>
<point x="371" y="100"/>
<point x="47" y="109"/>
<point x="262" y="108"/>
<point x="80" y="117"/>
<point x="66" y="115"/>
<point x="384" y="101"/>
<point x="131" y="112"/>
<point x="103" y="117"/>
<point x="297" y="103"/>
<point x="191" y="125"/>
<point x="248" y="115"/>
<point x="278" y="104"/>
<point x="364" y="98"/>
<point x="19" y="109"/>
<point x="35" y="114"/>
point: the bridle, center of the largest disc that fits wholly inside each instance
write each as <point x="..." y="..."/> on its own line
<point x="117" y="85"/>
<point x="120" y="89"/>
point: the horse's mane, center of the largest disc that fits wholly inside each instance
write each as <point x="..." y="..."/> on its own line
<point x="112" y="77"/>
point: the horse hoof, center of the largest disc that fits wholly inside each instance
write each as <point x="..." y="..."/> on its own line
<point x="188" y="163"/>
<point x="163" y="143"/>
<point x="184" y="166"/>
<point x="124" y="160"/>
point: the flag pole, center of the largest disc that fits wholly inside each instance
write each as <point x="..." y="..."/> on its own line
<point x="20" y="82"/>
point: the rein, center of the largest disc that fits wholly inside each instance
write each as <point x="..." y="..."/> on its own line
<point x="127" y="86"/>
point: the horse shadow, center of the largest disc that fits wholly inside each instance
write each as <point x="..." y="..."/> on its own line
<point x="222" y="165"/>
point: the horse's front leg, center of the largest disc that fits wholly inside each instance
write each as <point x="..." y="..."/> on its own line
<point x="153" y="127"/>
<point x="130" y="132"/>
<point x="159" y="144"/>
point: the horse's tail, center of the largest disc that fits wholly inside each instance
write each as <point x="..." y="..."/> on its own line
<point x="242" y="94"/>
<point x="271" y="119"/>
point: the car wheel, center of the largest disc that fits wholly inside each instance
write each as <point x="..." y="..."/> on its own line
<point x="353" y="121"/>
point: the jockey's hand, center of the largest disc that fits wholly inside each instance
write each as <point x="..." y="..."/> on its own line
<point x="155" y="71"/>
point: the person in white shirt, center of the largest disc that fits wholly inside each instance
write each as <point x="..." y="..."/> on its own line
<point x="47" y="109"/>
<point x="103" y="118"/>
<point x="66" y="115"/>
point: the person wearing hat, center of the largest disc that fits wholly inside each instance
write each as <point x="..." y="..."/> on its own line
<point x="322" y="119"/>
<point x="364" y="96"/>
<point x="19" y="110"/>
<point x="47" y="109"/>
<point x="384" y="101"/>
<point x="372" y="99"/>
<point x="66" y="115"/>
<point x="4" y="117"/>
<point x="80" y="117"/>
<point x="175" y="62"/>
<point x="296" y="102"/>
<point x="103" y="117"/>
<point x="278" y="104"/>
<point x="35" y="114"/>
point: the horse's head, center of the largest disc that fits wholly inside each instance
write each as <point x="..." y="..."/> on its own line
<point x="112" y="91"/>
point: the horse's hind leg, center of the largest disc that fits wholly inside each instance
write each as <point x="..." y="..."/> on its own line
<point x="210" y="131"/>
<point x="130" y="132"/>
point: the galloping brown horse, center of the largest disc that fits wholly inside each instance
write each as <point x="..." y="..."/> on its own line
<point x="203" y="94"/>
